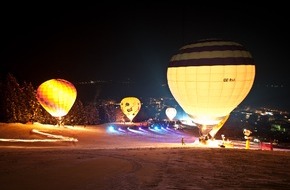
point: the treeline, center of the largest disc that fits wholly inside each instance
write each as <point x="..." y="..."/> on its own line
<point x="18" y="104"/>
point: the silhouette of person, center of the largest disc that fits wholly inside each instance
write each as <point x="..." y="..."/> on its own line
<point x="182" y="141"/>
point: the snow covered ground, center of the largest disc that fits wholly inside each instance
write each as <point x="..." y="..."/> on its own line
<point x="106" y="157"/>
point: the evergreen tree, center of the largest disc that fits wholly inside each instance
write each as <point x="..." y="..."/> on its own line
<point x="20" y="103"/>
<point x="76" y="116"/>
<point x="2" y="104"/>
<point x="120" y="116"/>
<point x="109" y="107"/>
<point x="32" y="106"/>
<point x="11" y="99"/>
<point x="91" y="115"/>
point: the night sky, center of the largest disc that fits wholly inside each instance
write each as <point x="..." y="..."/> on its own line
<point x="134" y="42"/>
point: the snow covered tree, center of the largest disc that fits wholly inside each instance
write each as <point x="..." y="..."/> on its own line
<point x="2" y="107"/>
<point x="20" y="103"/>
<point x="12" y="99"/>
<point x="109" y="108"/>
<point x="77" y="115"/>
<point x="91" y="114"/>
<point x="32" y="107"/>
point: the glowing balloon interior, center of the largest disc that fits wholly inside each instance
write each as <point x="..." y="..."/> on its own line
<point x="130" y="106"/>
<point x="170" y="113"/>
<point x="210" y="78"/>
<point x="56" y="96"/>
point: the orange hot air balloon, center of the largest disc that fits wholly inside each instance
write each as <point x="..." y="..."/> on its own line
<point x="56" y="96"/>
<point x="130" y="106"/>
<point x="170" y="113"/>
<point x="210" y="78"/>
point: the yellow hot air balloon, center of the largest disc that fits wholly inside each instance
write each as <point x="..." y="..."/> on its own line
<point x="56" y="96"/>
<point x="170" y="113"/>
<point x="130" y="106"/>
<point x="210" y="78"/>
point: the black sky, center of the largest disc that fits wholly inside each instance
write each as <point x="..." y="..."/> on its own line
<point x="134" y="42"/>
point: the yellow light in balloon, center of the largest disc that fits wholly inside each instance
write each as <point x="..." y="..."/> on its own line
<point x="130" y="106"/>
<point x="56" y="96"/>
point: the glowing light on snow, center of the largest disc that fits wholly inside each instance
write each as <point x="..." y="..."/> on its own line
<point x="56" y="138"/>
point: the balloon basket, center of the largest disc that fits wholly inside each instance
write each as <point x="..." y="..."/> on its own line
<point x="60" y="121"/>
<point x="203" y="140"/>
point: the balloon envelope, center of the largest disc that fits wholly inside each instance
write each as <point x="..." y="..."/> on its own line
<point x="210" y="78"/>
<point x="130" y="106"/>
<point x="56" y="96"/>
<point x="170" y="113"/>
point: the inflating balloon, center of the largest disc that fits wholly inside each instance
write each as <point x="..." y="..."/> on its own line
<point x="130" y="106"/>
<point x="210" y="78"/>
<point x="56" y="96"/>
<point x="170" y="113"/>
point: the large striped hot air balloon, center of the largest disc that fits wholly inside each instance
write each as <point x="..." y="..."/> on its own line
<point x="130" y="106"/>
<point x="210" y="78"/>
<point x="56" y="96"/>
